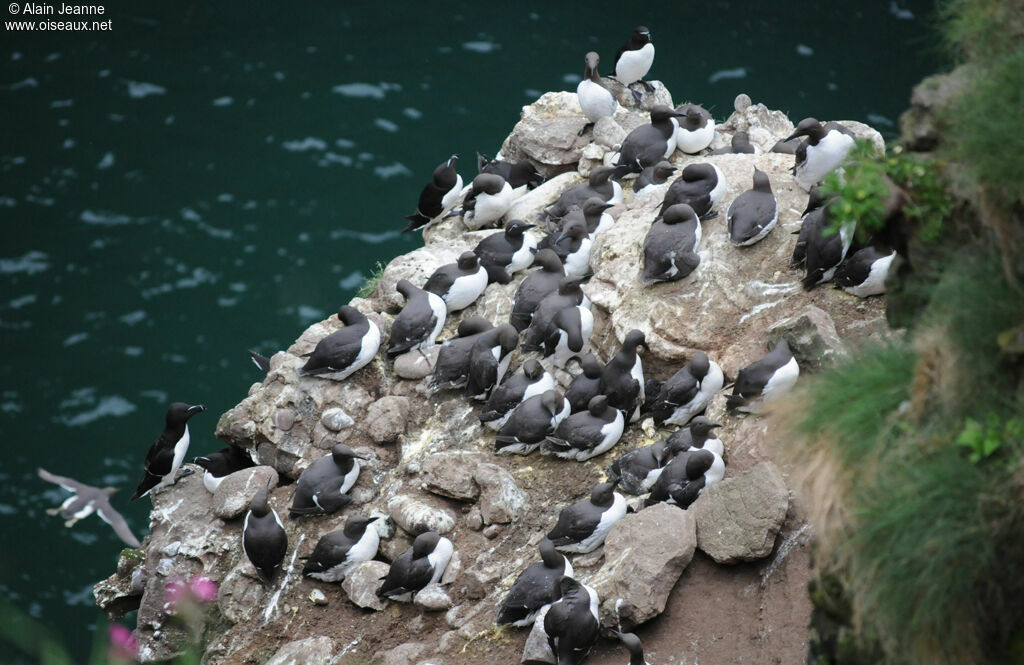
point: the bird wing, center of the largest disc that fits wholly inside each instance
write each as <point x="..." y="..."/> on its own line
<point x="336" y="351"/>
<point x="568" y="529"/>
<point x="69" y="484"/>
<point x="115" y="520"/>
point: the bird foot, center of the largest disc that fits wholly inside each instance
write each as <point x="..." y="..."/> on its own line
<point x="647" y="86"/>
<point x="637" y="97"/>
<point x="70" y="522"/>
<point x="587" y="126"/>
<point x="53" y="511"/>
<point x="183" y="473"/>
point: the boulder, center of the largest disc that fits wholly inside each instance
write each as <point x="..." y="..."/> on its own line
<point x="362" y="582"/>
<point x="416" y="517"/>
<point x="335" y="419"/>
<point x="432" y="598"/>
<point x="739" y="517"/>
<point x="537" y="649"/>
<point x="418" y="364"/>
<point x="232" y="497"/>
<point x="385" y="420"/>
<point x="547" y="134"/>
<point x="812" y="338"/>
<point x="501" y="500"/>
<point x="450" y="474"/>
<point x="644" y="555"/>
<point x="310" y="651"/>
<point x="403" y="654"/>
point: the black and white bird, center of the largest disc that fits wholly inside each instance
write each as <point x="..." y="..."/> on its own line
<point x="459" y="284"/>
<point x="764" y="380"/>
<point x="571" y="623"/>
<point x="221" y="464"/>
<point x="599" y="184"/>
<point x="338" y="551"/>
<point x="592" y="213"/>
<point x="686" y="476"/>
<point x="670" y="246"/>
<point x="585" y="385"/>
<point x="513" y="391"/>
<point x="418" y="567"/>
<point x="583" y="526"/>
<point x="489" y="359"/>
<point x="810" y="226"/>
<point x="739" y="145"/>
<point x="345" y="351"/>
<point x="826" y="248"/>
<point x="687" y="392"/>
<point x="168" y="452"/>
<point x="262" y="362"/>
<point x="517" y="174"/>
<point x="699" y="186"/>
<point x="420" y="321"/>
<point x="451" y="371"/>
<point x="633" y="646"/>
<point x="586" y="434"/>
<point x="568" y="294"/>
<point x="699" y="433"/>
<point x="657" y="174"/>
<point x="488" y="200"/>
<point x="863" y="274"/>
<point x="534" y="588"/>
<point x="696" y="129"/>
<point x="622" y="378"/>
<point x="86" y="500"/>
<point x="568" y="334"/>
<point x="322" y="488"/>
<point x="535" y="287"/>
<point x="634" y="59"/>
<point x="438" y="196"/>
<point x="573" y="246"/>
<point x="825" y="149"/>
<point x="264" y="539"/>
<point x="753" y="214"/>
<point x="637" y="470"/>
<point x="595" y="99"/>
<point x="505" y="253"/>
<point x="648" y="144"/>
<point x="530" y="423"/>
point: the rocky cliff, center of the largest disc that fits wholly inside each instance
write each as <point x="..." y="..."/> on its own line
<point x="721" y="582"/>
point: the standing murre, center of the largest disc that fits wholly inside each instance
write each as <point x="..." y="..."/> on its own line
<point x="699" y="186"/>
<point x="418" y="567"/>
<point x="568" y="294"/>
<point x="338" y="551"/>
<point x="221" y="464"/>
<point x="322" y="488"/>
<point x="825" y="149"/>
<point x="622" y="379"/>
<point x="863" y="274"/>
<point x="571" y="623"/>
<point x="764" y="380"/>
<point x="592" y="212"/>
<point x="533" y="588"/>
<point x="451" y="371"/>
<point x="810" y="225"/>
<point x="517" y="174"/>
<point x="530" y="422"/>
<point x="573" y="246"/>
<point x="586" y="434"/>
<point x="670" y="246"/>
<point x="568" y="334"/>
<point x="648" y="144"/>
<point x="84" y="501"/>
<point x="489" y="359"/>
<point x="535" y="287"/>
<point x="585" y="385"/>
<point x="583" y="526"/>
<point x="513" y="391"/>
<point x="696" y="129"/>
<point x="168" y="452"/>
<point x="634" y="59"/>
<point x="504" y="253"/>
<point x="264" y="540"/>
<point x="825" y="248"/>
<point x="599" y="184"/>
<point x="595" y="99"/>
<point x="438" y="197"/>
<point x="697" y="434"/>
<point x="345" y="351"/>
<point x="459" y="284"/>
<point x="753" y="214"/>
<point x="420" y="321"/>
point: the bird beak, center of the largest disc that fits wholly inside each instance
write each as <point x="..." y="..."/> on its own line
<point x="713" y="425"/>
<point x="529" y="226"/>
<point x="792" y="136"/>
<point x="560" y="238"/>
<point x="609" y="205"/>
<point x="196" y="409"/>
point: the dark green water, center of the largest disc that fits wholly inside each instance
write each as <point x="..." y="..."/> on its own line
<point x="209" y="177"/>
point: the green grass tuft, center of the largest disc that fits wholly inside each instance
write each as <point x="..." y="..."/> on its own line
<point x="368" y="287"/>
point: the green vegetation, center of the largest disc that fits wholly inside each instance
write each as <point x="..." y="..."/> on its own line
<point x="370" y="285"/>
<point x="913" y="452"/>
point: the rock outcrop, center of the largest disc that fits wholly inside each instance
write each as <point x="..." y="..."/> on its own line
<point x="430" y="464"/>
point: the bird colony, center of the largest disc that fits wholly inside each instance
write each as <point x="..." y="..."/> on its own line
<point x="550" y="371"/>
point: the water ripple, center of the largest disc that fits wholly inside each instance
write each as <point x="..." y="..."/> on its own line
<point x="30" y="263"/>
<point x="365" y="90"/>
<point x="736" y="73"/>
<point x="141" y="89"/>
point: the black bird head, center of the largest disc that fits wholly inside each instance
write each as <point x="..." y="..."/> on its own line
<point x="425" y="544"/>
<point x="532" y="369"/>
<point x="179" y="413"/>
<point x="808" y="127"/>
<point x="342" y="453"/>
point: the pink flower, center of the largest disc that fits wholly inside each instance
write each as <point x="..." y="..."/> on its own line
<point x="122" y="647"/>
<point x="174" y="593"/>
<point x="203" y="588"/>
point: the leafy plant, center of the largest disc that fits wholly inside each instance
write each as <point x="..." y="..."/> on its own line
<point x="983" y="440"/>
